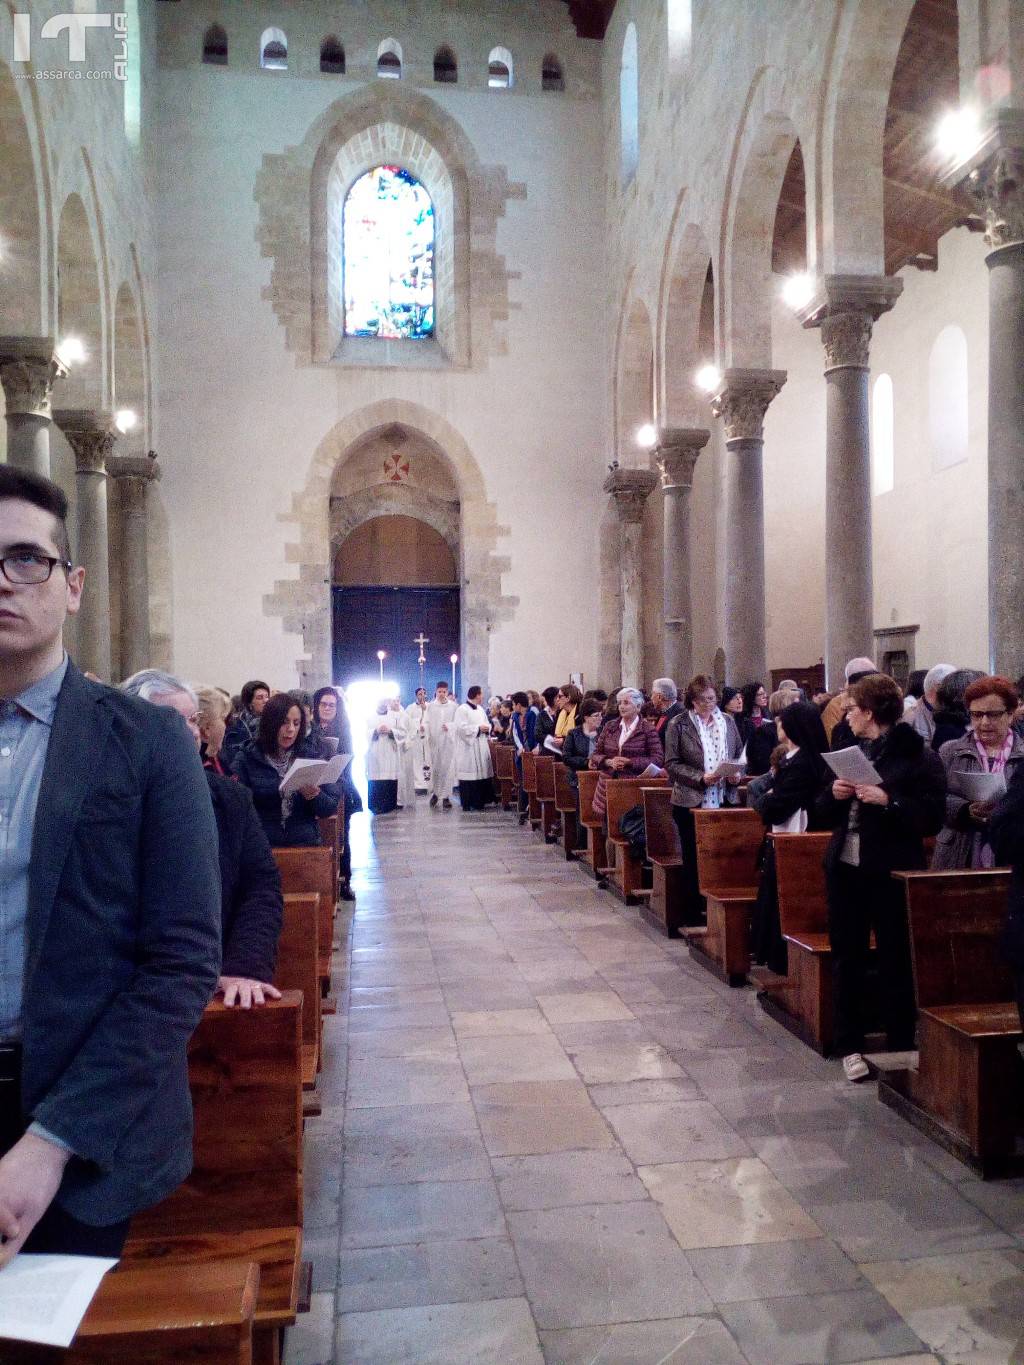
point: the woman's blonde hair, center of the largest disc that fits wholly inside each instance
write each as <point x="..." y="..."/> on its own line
<point x="213" y="705"/>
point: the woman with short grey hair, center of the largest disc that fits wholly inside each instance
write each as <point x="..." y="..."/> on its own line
<point x="626" y="749"/>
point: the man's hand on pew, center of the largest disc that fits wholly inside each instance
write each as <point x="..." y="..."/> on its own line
<point x="245" y="992"/>
<point x="30" y="1175"/>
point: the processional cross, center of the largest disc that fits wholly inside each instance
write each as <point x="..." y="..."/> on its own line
<point x="421" y="640"/>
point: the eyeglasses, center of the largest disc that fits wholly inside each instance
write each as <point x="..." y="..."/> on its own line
<point x="986" y="715"/>
<point x="25" y="566"/>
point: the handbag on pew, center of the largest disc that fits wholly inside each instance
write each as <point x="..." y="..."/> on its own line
<point x="633" y="828"/>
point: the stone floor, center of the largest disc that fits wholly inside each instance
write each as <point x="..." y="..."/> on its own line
<point x="547" y="1136"/>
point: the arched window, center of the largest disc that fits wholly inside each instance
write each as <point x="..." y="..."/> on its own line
<point x="499" y="69"/>
<point x="629" y="106"/>
<point x="215" y="46"/>
<point x="947" y="398"/>
<point x="274" y="50"/>
<point x="388" y="256"/>
<point x="551" y="77"/>
<point x="389" y="60"/>
<point x="446" y="67"/>
<point x="679" y="14"/>
<point x="883" y="446"/>
<point x="332" y="57"/>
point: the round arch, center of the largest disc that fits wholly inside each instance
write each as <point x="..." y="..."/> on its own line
<point x="80" y="303"/>
<point x="684" y="278"/>
<point x="21" y="216"/>
<point x="634" y="381"/>
<point x="129" y="368"/>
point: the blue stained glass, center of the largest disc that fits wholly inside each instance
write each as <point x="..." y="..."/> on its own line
<point x="389" y="256"/>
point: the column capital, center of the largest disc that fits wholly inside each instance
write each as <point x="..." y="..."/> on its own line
<point x="630" y="489"/>
<point x="143" y="467"/>
<point x="743" y="400"/>
<point x="845" y="308"/>
<point x="676" y="452"/>
<point x="993" y="176"/>
<point x="28" y="368"/>
<point x="91" y="433"/>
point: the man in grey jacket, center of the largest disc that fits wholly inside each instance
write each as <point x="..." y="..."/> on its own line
<point x="109" y="915"/>
<point x="922" y="716"/>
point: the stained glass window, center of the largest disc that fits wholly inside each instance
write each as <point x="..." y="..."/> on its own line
<point x="389" y="256"/>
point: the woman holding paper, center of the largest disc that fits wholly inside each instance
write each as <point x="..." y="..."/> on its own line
<point x="978" y="770"/>
<point x="289" y="819"/>
<point x="384" y="758"/>
<point x="881" y="820"/>
<point x="702" y="750"/>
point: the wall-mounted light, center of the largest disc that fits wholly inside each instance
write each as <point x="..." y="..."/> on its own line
<point x="647" y="436"/>
<point x="798" y="290"/>
<point x="71" y="351"/>
<point x="708" y="378"/>
<point x="125" y="419"/>
<point x="958" y="133"/>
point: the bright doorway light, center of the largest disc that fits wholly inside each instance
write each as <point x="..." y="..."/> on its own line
<point x="708" y="378"/>
<point x="361" y="698"/>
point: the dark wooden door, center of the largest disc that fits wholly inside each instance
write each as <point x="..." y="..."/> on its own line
<point x="369" y="619"/>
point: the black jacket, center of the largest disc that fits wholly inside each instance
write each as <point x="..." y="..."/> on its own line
<point x="796" y="786"/>
<point x="891" y="837"/>
<point x="301" y="830"/>
<point x="545" y="726"/>
<point x="949" y="725"/>
<point x="252" y="905"/>
<point x="576" y="751"/>
<point x="661" y="721"/>
<point x="760" y="741"/>
<point x="1006" y="835"/>
<point x="238" y="736"/>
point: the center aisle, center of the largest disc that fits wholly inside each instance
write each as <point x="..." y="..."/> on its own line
<point x="557" y="1140"/>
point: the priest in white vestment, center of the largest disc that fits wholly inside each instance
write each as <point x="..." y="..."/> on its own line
<point x="472" y="752"/>
<point x="441" y="736"/>
<point x="384" y="758"/>
<point x="417" y="753"/>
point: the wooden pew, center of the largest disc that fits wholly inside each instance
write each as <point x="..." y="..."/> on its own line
<point x="665" y="856"/>
<point x="545" y="765"/>
<point x="625" y="877"/>
<point x="802" y="1001"/>
<point x="298" y="970"/>
<point x="243" y="1199"/>
<point x="330" y="834"/>
<point x="505" y="772"/>
<point x="965" y="1092"/>
<point x="166" y="1315"/>
<point x="728" y="844"/>
<point x="530" y="787"/>
<point x="312" y="870"/>
<point x="565" y="804"/>
<point x="594" y="856"/>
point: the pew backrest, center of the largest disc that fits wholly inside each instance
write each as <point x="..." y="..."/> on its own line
<point x="297" y="958"/>
<point x="545" y="765"/>
<point x="565" y="792"/>
<point x="504" y="763"/>
<point x="529" y="772"/>
<point x="662" y="835"/>
<point x="956" y="932"/>
<point x="588" y="781"/>
<point x="311" y="870"/>
<point x="800" y="874"/>
<point x="622" y="794"/>
<point x="728" y="845"/>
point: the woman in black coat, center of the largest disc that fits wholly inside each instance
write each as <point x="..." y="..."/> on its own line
<point x="879" y="828"/>
<point x="1006" y="836"/>
<point x="290" y="821"/>
<point x="793" y="789"/>
<point x="331" y="722"/>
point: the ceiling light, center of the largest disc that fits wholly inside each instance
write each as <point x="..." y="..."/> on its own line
<point x="798" y="291"/>
<point x="708" y="378"/>
<point x="958" y="134"/>
<point x="646" y="436"/>
<point x="125" y="419"/>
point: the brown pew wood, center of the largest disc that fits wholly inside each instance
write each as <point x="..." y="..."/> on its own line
<point x="544" y="765"/>
<point x="505" y="771"/>
<point x="626" y="873"/>
<point x="312" y="870"/>
<point x="530" y="787"/>
<point x="965" y="1091"/>
<point x="593" y="857"/>
<point x="665" y="856"/>
<point x="166" y="1315"/>
<point x="728" y="844"/>
<point x="243" y="1199"/>
<point x="297" y="970"/>
<point x="565" y="804"/>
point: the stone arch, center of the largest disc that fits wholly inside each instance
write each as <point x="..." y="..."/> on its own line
<point x="304" y="602"/>
<point x="129" y="387"/>
<point x="634" y="381"/>
<point x="687" y="257"/>
<point x="350" y="512"/>
<point x="80" y="303"/>
<point x="22" y="213"/>
<point x="299" y="189"/>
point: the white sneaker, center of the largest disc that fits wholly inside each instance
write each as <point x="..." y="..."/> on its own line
<point x="855" y="1067"/>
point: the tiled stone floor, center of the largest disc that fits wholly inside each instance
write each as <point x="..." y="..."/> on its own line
<point x="547" y="1136"/>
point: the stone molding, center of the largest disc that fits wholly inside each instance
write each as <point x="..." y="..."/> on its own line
<point x="28" y="368"/>
<point x="351" y="510"/>
<point x="630" y="489"/>
<point x="845" y="307"/>
<point x="743" y="400"/>
<point x="676" y="454"/>
<point x="134" y="474"/>
<point x="91" y="434"/>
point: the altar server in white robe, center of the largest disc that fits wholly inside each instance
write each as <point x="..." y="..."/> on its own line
<point x="417" y="754"/>
<point x="384" y="758"/>
<point x="406" y="788"/>
<point x="441" y="735"/>
<point x="472" y="752"/>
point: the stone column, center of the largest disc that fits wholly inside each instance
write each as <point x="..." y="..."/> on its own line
<point x="742" y="403"/>
<point x="845" y="310"/>
<point x="630" y="489"/>
<point x="28" y="368"/>
<point x="133" y="475"/>
<point x="91" y="435"/>
<point x="676" y="455"/>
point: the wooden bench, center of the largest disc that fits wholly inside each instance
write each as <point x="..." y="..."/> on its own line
<point x="728" y="844"/>
<point x="626" y="872"/>
<point x="566" y="805"/>
<point x="202" y="1314"/>
<point x="594" y="856"/>
<point x="965" y="1092"/>
<point x="545" y="765"/>
<point x="529" y="762"/>
<point x="298" y="970"/>
<point x="331" y="834"/>
<point x="305" y="870"/>
<point x="662" y="909"/>
<point x="243" y="1199"/>
<point x="504" y="759"/>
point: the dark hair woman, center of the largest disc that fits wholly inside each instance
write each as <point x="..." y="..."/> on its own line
<point x="242" y="730"/>
<point x="288" y="821"/>
<point x="331" y="724"/>
<point x="785" y="801"/>
<point x="950" y="714"/>
<point x="880" y="828"/>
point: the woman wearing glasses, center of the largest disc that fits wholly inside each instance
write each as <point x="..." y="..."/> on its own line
<point x="990" y="746"/>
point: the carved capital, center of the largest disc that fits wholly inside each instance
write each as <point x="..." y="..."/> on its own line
<point x="845" y="308"/>
<point x="134" y="474"/>
<point x="28" y="368"/>
<point x="847" y="339"/>
<point x="997" y="187"/>
<point x="630" y="489"/>
<point x="743" y="401"/>
<point x="676" y="454"/>
<point x="90" y="434"/>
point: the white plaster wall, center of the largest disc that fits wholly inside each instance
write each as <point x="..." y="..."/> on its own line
<point x="239" y="421"/>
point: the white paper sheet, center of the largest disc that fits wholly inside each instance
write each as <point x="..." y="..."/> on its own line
<point x="652" y="770"/>
<point x="980" y="786"/>
<point x="733" y="769"/>
<point x="853" y="765"/>
<point x="313" y="772"/>
<point x="44" y="1298"/>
